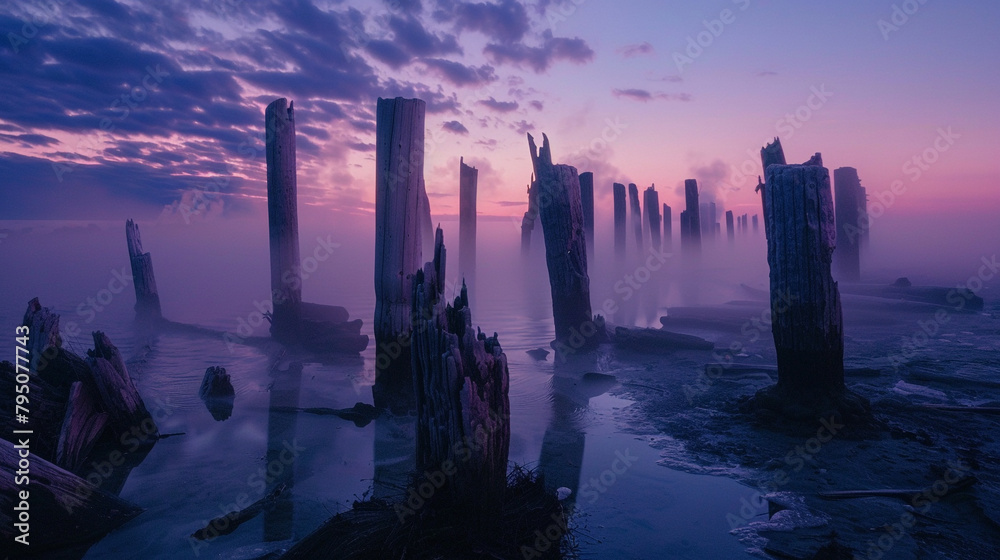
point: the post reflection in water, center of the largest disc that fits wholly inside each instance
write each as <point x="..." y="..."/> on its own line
<point x="281" y="451"/>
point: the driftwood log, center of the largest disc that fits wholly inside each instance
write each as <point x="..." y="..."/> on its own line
<point x="283" y="219"/>
<point x="461" y="385"/>
<point x="147" y="299"/>
<point x="565" y="248"/>
<point x="587" y="201"/>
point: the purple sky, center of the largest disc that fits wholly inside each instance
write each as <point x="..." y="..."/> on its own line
<point x="140" y="108"/>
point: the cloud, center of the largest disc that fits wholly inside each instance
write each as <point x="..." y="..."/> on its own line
<point x="458" y="74"/>
<point x="456" y="127"/>
<point x="645" y="95"/>
<point x="539" y="59"/>
<point x="505" y="22"/>
<point x="535" y="104"/>
<point x="522" y="127"/>
<point x="630" y="51"/>
<point x="766" y="73"/>
<point x="498" y="106"/>
<point x="710" y="178"/>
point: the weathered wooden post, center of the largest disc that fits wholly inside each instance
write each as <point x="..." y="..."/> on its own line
<point x="565" y="248"/>
<point x="651" y="203"/>
<point x="399" y="189"/>
<point x="147" y="299"/>
<point x="528" y="221"/>
<point x="730" y="234"/>
<point x="619" y="192"/>
<point x="769" y="154"/>
<point x="668" y="227"/>
<point x="633" y="198"/>
<point x="805" y="302"/>
<point x="283" y="219"/>
<point x="848" y="199"/>
<point x="468" y="185"/>
<point x="587" y="201"/>
<point x="461" y="385"/>
<point x="693" y="219"/>
<point x="755" y="227"/>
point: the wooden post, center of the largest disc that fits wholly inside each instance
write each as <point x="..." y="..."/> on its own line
<point x="283" y="219"/>
<point x="755" y="227"/>
<point x="771" y="154"/>
<point x="651" y="203"/>
<point x="805" y="302"/>
<point x="399" y="190"/>
<point x="848" y="199"/>
<point x="668" y="227"/>
<point x="587" y="201"/>
<point x="633" y="198"/>
<point x="147" y="299"/>
<point x="729" y="226"/>
<point x="461" y="385"/>
<point x="692" y="209"/>
<point x="565" y="248"/>
<point x="468" y="185"/>
<point x="619" y="192"/>
<point x="528" y="221"/>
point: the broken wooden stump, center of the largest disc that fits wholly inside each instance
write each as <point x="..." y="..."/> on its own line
<point x="692" y="234"/>
<point x="147" y="299"/>
<point x="81" y="428"/>
<point x="116" y="392"/>
<point x="755" y="226"/>
<point x="283" y="219"/>
<point x="461" y="385"/>
<point x="771" y="154"/>
<point x="587" y="201"/>
<point x="67" y="513"/>
<point x="217" y="392"/>
<point x="847" y="197"/>
<point x="468" y="185"/>
<point x="651" y="203"/>
<point x="668" y="227"/>
<point x="528" y="221"/>
<point x="399" y="190"/>
<point x="636" y="216"/>
<point x="620" y="210"/>
<point x="730" y="232"/>
<point x="565" y="248"/>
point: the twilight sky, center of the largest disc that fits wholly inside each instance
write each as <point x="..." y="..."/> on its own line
<point x="113" y="109"/>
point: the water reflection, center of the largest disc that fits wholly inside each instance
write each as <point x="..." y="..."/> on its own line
<point x="281" y="447"/>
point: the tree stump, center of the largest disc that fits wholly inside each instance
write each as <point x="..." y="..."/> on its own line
<point x="283" y="219"/>
<point x="461" y="384"/>
<point x="147" y="299"/>
<point x="805" y="303"/>
<point x="399" y="192"/>
<point x="565" y="248"/>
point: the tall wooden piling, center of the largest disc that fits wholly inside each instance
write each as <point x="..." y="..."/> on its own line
<point x="668" y="227"/>
<point x="565" y="248"/>
<point x="620" y="211"/>
<point x="587" y="200"/>
<point x="755" y="227"/>
<point x="636" y="216"/>
<point x="283" y="219"/>
<point x="147" y="299"/>
<point x="693" y="218"/>
<point x="399" y="189"/>
<point x="528" y="221"/>
<point x="468" y="185"/>
<point x="805" y="302"/>
<point x="771" y="154"/>
<point x="461" y="384"/>
<point x="651" y="204"/>
<point x="730" y="233"/>
<point x="848" y="201"/>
